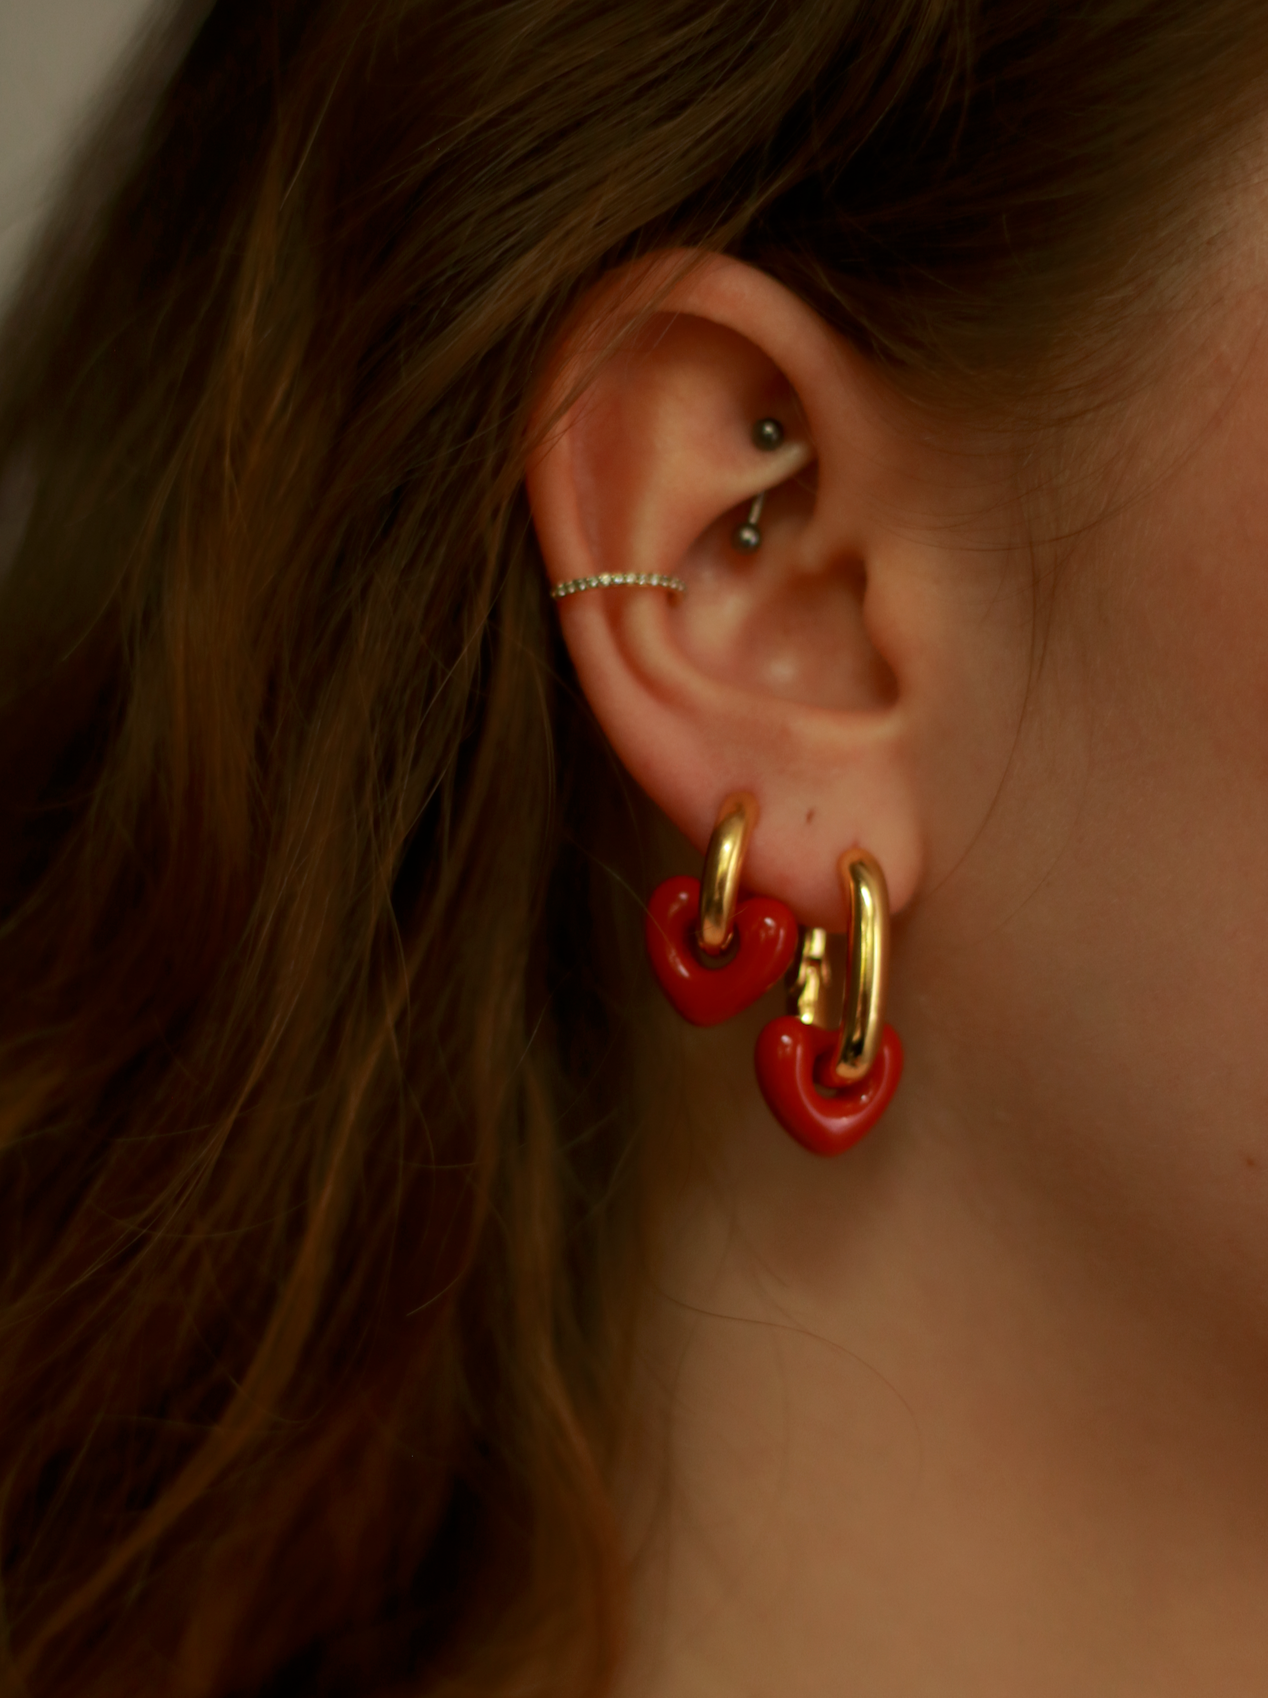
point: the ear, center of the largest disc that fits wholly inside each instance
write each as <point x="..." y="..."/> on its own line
<point x="780" y="672"/>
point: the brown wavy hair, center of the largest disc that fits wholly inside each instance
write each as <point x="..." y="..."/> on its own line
<point x="320" y="1189"/>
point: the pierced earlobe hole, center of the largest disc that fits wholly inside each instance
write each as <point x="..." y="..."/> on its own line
<point x="724" y="957"/>
<point x="767" y="434"/>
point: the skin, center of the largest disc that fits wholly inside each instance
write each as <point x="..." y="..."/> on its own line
<point x="978" y="1408"/>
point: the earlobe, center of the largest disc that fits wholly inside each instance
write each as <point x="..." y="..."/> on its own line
<point x="761" y="676"/>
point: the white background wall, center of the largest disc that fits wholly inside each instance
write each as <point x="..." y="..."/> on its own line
<point x="54" y="55"/>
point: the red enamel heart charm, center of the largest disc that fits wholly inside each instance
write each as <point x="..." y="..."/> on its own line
<point x="792" y="1069"/>
<point x="762" y="948"/>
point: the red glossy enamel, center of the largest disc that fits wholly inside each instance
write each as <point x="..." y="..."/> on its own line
<point x="789" y="1057"/>
<point x="706" y="996"/>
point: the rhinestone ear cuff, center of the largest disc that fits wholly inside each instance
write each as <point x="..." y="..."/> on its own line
<point x="619" y="580"/>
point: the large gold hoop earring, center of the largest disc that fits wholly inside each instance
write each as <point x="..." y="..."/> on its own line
<point x="867" y="982"/>
<point x="829" y="1067"/>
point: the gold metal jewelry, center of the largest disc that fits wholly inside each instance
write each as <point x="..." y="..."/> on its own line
<point x="816" y="983"/>
<point x="619" y="580"/>
<point x="840" y="980"/>
<point x="720" y="879"/>
<point x="867" y="898"/>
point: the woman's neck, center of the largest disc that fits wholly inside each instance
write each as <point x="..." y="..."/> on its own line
<point x="931" y="1419"/>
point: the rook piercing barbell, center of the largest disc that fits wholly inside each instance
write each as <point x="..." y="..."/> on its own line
<point x="767" y="434"/>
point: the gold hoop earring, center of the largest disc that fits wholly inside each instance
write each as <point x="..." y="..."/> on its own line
<point x="713" y="950"/>
<point x="863" y="1016"/>
<point x="829" y="1068"/>
<point x="720" y="875"/>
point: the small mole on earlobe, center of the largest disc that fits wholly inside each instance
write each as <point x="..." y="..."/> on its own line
<point x="1251" y="1161"/>
<point x="810" y="814"/>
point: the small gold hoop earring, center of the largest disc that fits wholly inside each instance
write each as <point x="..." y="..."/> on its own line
<point x="720" y="876"/>
<point x="714" y="948"/>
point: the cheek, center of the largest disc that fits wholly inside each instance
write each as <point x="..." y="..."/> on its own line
<point x="1194" y="607"/>
<point x="1126" y="870"/>
<point x="1094" y="950"/>
<point x="1175" y="662"/>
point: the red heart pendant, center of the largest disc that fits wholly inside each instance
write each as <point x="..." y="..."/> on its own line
<point x="792" y="1064"/>
<point x="762" y="947"/>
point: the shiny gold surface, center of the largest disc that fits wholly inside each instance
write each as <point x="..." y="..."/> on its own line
<point x="868" y="902"/>
<point x="720" y="880"/>
<point x="816" y="984"/>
